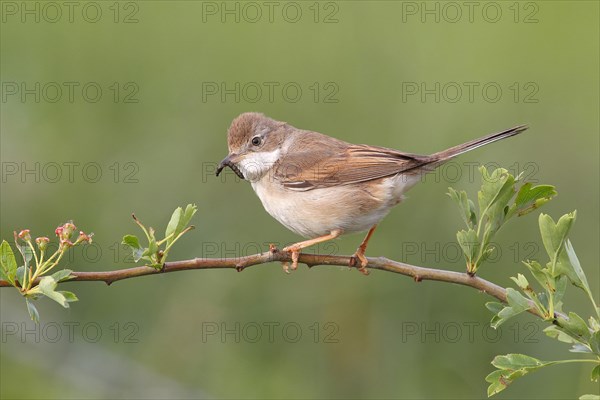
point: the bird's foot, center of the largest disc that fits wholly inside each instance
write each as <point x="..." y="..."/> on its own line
<point x="295" y="252"/>
<point x="360" y="256"/>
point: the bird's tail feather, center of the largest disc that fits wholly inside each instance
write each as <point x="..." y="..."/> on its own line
<point x="473" y="144"/>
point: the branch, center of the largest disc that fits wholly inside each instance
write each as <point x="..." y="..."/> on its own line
<point x="381" y="263"/>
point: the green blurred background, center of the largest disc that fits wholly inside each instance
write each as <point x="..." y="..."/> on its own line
<point x="383" y="336"/>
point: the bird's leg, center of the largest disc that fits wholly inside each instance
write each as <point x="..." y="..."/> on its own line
<point x="360" y="252"/>
<point x="296" y="247"/>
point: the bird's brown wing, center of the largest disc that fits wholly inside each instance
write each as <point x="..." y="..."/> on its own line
<point x="342" y="164"/>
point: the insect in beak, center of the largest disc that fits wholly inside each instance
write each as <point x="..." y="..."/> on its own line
<point x="228" y="162"/>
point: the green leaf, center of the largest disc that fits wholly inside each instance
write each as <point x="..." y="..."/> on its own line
<point x="559" y="290"/>
<point x="33" y="312"/>
<point x="554" y="236"/>
<point x="8" y="263"/>
<point x="20" y="275"/>
<point x="521" y="281"/>
<point x="538" y="272"/>
<point x="517" y="303"/>
<point x="174" y="223"/>
<point x="579" y="348"/>
<point x="47" y="286"/>
<point x="596" y="373"/>
<point x="516" y="299"/>
<point x="151" y="249"/>
<point x="473" y="216"/>
<point x="497" y="382"/>
<point x="511" y="367"/>
<point x="485" y="254"/>
<point x="138" y="254"/>
<point x="543" y="299"/>
<point x="595" y="343"/>
<point x="513" y="362"/>
<point x="555" y="332"/>
<point x="62" y="275"/>
<point x="134" y="244"/>
<point x="496" y="191"/>
<point x="594" y="324"/>
<point x="131" y="241"/>
<point x="573" y="269"/>
<point x="69" y="296"/>
<point x="179" y="221"/>
<point x="575" y="326"/>
<point x="531" y="197"/>
<point x="469" y="243"/>
<point x="190" y="210"/>
<point x="494" y="306"/>
<point x="589" y="397"/>
<point x="26" y="252"/>
<point x="466" y="206"/>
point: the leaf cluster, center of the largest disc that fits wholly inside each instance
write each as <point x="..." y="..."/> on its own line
<point x="498" y="200"/>
<point x="155" y="252"/>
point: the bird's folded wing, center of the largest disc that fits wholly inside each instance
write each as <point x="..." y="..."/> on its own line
<point x="343" y="166"/>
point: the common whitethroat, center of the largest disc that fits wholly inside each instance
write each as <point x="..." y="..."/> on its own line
<point x="321" y="187"/>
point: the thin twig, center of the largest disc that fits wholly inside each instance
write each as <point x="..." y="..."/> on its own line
<point x="381" y="263"/>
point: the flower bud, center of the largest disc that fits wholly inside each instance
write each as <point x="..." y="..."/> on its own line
<point x="42" y="242"/>
<point x="84" y="237"/>
<point x="68" y="229"/>
<point x="65" y="231"/>
<point x="24" y="234"/>
<point x="65" y="244"/>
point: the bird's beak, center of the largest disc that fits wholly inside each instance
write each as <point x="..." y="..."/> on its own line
<point x="230" y="161"/>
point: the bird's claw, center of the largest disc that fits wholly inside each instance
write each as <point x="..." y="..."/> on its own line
<point x="295" y="252"/>
<point x="358" y="256"/>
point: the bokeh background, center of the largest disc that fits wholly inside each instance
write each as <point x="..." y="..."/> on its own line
<point x="367" y="72"/>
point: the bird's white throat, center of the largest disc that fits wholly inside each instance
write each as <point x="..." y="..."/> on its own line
<point x="255" y="165"/>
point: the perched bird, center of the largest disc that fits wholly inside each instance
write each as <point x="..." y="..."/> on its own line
<point x="321" y="187"/>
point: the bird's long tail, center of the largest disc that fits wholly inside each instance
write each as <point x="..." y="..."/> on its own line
<point x="440" y="157"/>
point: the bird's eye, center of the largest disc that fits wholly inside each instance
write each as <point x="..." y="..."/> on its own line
<point x="256" y="141"/>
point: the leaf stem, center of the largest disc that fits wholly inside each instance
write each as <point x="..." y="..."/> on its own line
<point x="166" y="251"/>
<point x="37" y="261"/>
<point x="137" y="221"/>
<point x="160" y="242"/>
<point x="581" y="360"/>
<point x="42" y="271"/>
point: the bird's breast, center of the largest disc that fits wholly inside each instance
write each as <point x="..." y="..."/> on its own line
<point x="317" y="212"/>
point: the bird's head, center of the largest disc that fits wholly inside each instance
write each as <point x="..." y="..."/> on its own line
<point x="256" y="143"/>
